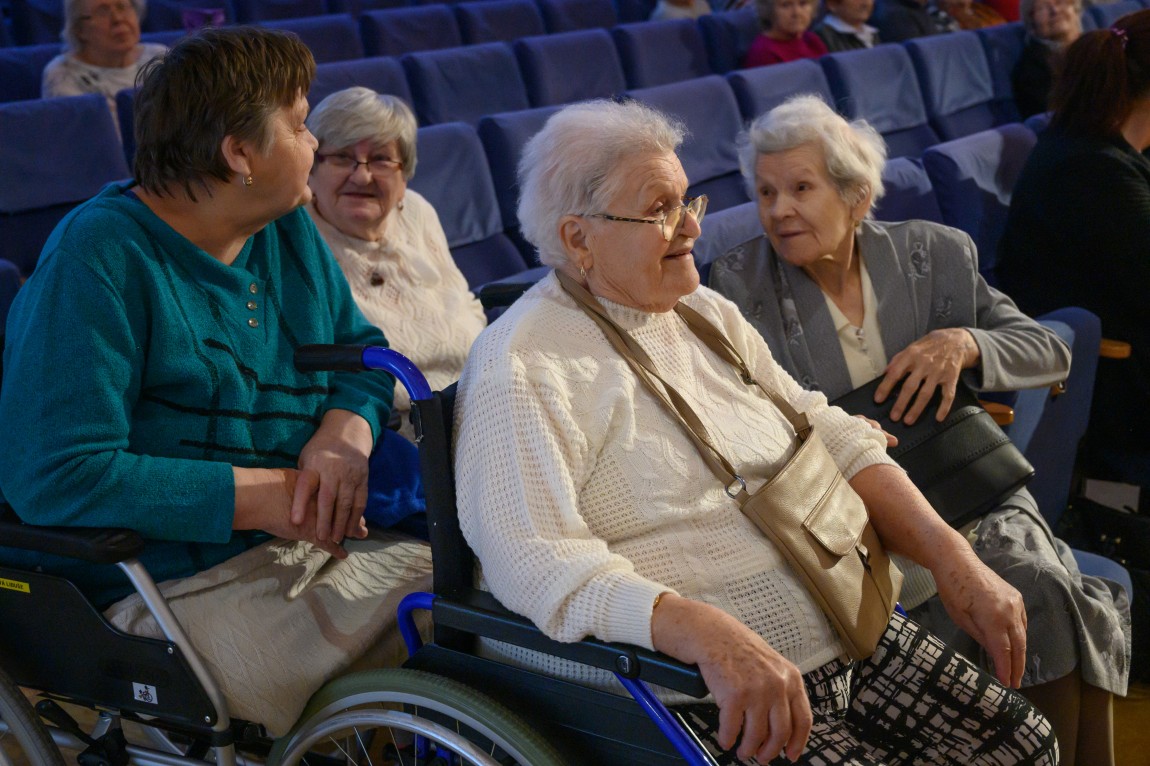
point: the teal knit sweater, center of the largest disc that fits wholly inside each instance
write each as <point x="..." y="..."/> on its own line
<point x="138" y="370"/>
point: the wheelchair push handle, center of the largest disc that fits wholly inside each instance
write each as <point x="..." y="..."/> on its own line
<point x="331" y="357"/>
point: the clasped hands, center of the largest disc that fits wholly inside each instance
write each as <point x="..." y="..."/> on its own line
<point x="323" y="499"/>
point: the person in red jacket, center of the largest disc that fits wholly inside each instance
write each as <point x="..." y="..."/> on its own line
<point x="786" y="34"/>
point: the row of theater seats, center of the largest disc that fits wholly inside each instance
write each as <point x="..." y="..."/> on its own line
<point x="40" y="21"/>
<point x="63" y="150"/>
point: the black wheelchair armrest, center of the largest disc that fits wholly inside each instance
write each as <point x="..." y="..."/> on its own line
<point x="98" y="546"/>
<point x="479" y="613"/>
<point x="505" y="291"/>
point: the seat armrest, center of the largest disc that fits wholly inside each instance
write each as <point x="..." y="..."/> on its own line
<point x="1114" y="349"/>
<point x="1003" y="414"/>
<point x="479" y="613"/>
<point x="98" y="546"/>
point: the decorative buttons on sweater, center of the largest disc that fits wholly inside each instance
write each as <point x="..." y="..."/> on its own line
<point x="253" y="322"/>
<point x="253" y="288"/>
<point x="251" y="305"/>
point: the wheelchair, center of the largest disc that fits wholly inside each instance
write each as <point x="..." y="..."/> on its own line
<point x="446" y="705"/>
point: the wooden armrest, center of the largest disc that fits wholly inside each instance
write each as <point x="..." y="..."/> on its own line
<point x="1114" y="349"/>
<point x="1003" y="414"/>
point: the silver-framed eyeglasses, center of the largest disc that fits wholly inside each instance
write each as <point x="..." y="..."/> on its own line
<point x="671" y="220"/>
<point x="376" y="165"/>
<point x="106" y="11"/>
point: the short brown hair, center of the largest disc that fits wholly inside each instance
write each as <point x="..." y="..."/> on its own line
<point x="214" y="83"/>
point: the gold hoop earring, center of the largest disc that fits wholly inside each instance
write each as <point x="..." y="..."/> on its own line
<point x="399" y="205"/>
<point x="583" y="273"/>
<point x="248" y="180"/>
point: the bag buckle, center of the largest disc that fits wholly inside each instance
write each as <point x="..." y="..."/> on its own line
<point x="740" y="483"/>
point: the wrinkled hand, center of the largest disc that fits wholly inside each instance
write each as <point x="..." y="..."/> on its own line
<point x="989" y="610"/>
<point x="891" y="439"/>
<point x="333" y="476"/>
<point x="264" y="502"/>
<point x="758" y="691"/>
<point x="932" y="362"/>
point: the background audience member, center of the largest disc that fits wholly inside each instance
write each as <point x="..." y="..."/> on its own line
<point x="1051" y="26"/>
<point x="149" y="384"/>
<point x="844" y="27"/>
<point x="593" y="513"/>
<point x="102" y="52"/>
<point x="786" y="34"/>
<point x="387" y="238"/>
<point x="851" y="300"/>
<point x="971" y="14"/>
<point x="1078" y="232"/>
<point x="680" y="9"/>
<point x="900" y="20"/>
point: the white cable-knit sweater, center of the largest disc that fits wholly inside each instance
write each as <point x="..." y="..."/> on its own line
<point x="409" y="286"/>
<point x="584" y="499"/>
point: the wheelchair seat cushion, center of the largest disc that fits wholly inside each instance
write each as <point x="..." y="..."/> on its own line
<point x="273" y="624"/>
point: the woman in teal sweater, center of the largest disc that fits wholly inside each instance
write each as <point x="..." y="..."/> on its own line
<point x="148" y="376"/>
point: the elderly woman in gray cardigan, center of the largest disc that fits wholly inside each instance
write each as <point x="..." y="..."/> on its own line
<point x="842" y="300"/>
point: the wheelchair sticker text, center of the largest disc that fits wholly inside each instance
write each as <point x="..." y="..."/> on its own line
<point x="14" y="585"/>
<point x="144" y="693"/>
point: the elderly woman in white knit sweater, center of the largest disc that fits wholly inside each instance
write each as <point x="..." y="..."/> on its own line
<point x="387" y="238"/>
<point x="593" y="513"/>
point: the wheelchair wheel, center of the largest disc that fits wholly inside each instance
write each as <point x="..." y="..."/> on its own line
<point x="24" y="740"/>
<point x="409" y="717"/>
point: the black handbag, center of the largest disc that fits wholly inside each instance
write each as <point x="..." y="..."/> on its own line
<point x="965" y="465"/>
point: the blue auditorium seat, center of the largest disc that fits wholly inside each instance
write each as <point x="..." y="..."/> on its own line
<point x="1038" y="122"/>
<point x="63" y="150"/>
<point x="168" y="15"/>
<point x="383" y="74"/>
<point x="728" y="36"/>
<point x="723" y="230"/>
<point x="126" y="115"/>
<point x="658" y="52"/>
<point x="1003" y="46"/>
<point x="9" y="284"/>
<point x="496" y="20"/>
<point x="879" y="85"/>
<point x="395" y="31"/>
<point x="36" y="21"/>
<point x="634" y="10"/>
<point x="334" y="37"/>
<point x="356" y="7"/>
<point x="909" y="194"/>
<point x="503" y="137"/>
<point x="167" y="37"/>
<point x="1106" y="14"/>
<point x="706" y="106"/>
<point x="22" y="68"/>
<point x="463" y="84"/>
<point x="973" y="178"/>
<point x="569" y="15"/>
<point x="545" y="62"/>
<point x="760" y="89"/>
<point x="251" y="11"/>
<point x="454" y="177"/>
<point x="957" y="87"/>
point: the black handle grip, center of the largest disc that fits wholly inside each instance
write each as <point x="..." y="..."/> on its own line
<point x="324" y="357"/>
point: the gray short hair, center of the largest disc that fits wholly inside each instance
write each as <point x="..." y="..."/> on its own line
<point x="854" y="151"/>
<point x="570" y="166"/>
<point x="355" y="114"/>
<point x="72" y="14"/>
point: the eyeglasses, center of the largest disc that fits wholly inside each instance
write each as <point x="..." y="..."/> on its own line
<point x="108" y="10"/>
<point x="376" y="165"/>
<point x="671" y="220"/>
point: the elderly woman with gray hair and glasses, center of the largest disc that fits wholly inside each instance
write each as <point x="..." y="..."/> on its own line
<point x="103" y="52"/>
<point x="387" y="238"/>
<point x="594" y="511"/>
<point x="843" y="300"/>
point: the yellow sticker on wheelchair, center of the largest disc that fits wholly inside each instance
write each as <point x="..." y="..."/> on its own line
<point x="14" y="585"/>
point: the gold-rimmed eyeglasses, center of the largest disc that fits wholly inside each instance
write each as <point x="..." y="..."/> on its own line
<point x="671" y="220"/>
<point x="376" y="165"/>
